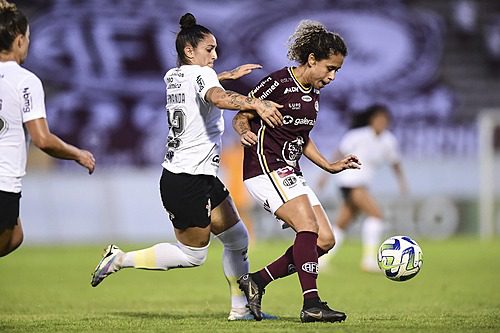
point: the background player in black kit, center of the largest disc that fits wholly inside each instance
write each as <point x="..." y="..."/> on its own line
<point x="271" y="168"/>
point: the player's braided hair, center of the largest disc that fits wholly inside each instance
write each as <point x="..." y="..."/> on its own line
<point x="190" y="33"/>
<point x="312" y="37"/>
<point x="12" y="23"/>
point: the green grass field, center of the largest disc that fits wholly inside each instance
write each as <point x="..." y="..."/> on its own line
<point x="47" y="289"/>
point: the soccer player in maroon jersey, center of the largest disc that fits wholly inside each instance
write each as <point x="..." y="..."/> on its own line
<point x="271" y="168"/>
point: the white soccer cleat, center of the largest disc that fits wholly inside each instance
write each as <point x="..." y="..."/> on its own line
<point x="369" y="265"/>
<point x="107" y="265"/>
<point x="245" y="314"/>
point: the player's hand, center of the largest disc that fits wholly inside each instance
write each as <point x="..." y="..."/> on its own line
<point x="348" y="162"/>
<point x="243" y="70"/>
<point x="268" y="111"/>
<point x="87" y="160"/>
<point x="248" y="139"/>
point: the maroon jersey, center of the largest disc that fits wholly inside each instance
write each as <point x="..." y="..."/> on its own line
<point x="281" y="146"/>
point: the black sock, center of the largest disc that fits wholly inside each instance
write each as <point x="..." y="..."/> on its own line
<point x="311" y="302"/>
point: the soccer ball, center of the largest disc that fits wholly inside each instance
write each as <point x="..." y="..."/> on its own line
<point x="400" y="258"/>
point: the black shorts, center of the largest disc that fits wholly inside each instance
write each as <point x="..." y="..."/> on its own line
<point x="346" y="193"/>
<point x="9" y="209"/>
<point x="189" y="199"/>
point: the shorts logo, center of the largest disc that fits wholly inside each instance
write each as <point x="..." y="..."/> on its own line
<point x="310" y="267"/>
<point x="290" y="181"/>
<point x="209" y="207"/>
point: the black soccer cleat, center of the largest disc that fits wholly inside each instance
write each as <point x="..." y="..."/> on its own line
<point x="321" y="312"/>
<point x="253" y="294"/>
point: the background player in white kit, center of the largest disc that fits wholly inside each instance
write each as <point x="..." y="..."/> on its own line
<point x="375" y="145"/>
<point x="196" y="200"/>
<point x="22" y="108"/>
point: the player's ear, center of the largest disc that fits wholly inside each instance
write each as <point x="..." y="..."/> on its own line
<point x="311" y="60"/>
<point x="189" y="51"/>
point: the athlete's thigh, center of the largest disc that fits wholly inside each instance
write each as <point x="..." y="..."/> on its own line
<point x="365" y="202"/>
<point x="224" y="216"/>
<point x="299" y="214"/>
<point x="193" y="236"/>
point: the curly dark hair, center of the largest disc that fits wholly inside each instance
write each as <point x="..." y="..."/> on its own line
<point x="313" y="37"/>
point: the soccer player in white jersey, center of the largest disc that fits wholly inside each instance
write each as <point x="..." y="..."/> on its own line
<point x="370" y="140"/>
<point x="22" y="109"/>
<point x="196" y="200"/>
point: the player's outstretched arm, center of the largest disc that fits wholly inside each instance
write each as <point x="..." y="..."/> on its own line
<point x="238" y="72"/>
<point x="55" y="147"/>
<point x="241" y="124"/>
<point x="226" y="99"/>
<point x="313" y="154"/>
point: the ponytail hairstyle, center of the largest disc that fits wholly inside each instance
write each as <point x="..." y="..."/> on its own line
<point x="190" y="33"/>
<point x="361" y="119"/>
<point x="12" y="24"/>
<point x="313" y="37"/>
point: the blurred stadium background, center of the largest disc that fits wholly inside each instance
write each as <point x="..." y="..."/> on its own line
<point x="436" y="63"/>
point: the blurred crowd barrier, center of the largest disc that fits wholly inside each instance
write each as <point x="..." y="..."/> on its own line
<point x="124" y="204"/>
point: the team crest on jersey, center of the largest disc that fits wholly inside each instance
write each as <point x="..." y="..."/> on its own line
<point x="292" y="151"/>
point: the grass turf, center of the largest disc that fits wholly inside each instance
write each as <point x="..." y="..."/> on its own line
<point x="47" y="289"/>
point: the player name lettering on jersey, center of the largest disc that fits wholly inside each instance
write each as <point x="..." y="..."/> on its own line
<point x="179" y="98"/>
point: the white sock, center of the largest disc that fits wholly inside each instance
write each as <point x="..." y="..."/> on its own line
<point x="164" y="256"/>
<point x="235" y="260"/>
<point x="371" y="234"/>
<point x="339" y="239"/>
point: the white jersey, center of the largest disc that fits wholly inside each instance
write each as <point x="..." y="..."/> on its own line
<point x="372" y="150"/>
<point x="21" y="100"/>
<point x="196" y="126"/>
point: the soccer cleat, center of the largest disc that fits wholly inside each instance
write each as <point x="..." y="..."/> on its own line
<point x="368" y="265"/>
<point x="106" y="265"/>
<point x="321" y="312"/>
<point x="253" y="294"/>
<point x="245" y="314"/>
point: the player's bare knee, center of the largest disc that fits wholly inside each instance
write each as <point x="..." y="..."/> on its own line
<point x="326" y="242"/>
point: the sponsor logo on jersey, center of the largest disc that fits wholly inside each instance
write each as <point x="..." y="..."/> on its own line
<point x="294" y="106"/>
<point x="286" y="79"/>
<point x="306" y="98"/>
<point x="216" y="160"/>
<point x="310" y="267"/>
<point x="290" y="181"/>
<point x="174" y="85"/>
<point x="27" y="100"/>
<point x="262" y="84"/>
<point x="286" y="171"/>
<point x="316" y="106"/>
<point x="289" y="90"/>
<point x="200" y="83"/>
<point x="269" y="90"/>
<point x="287" y="120"/>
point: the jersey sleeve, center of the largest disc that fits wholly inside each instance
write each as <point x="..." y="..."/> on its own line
<point x="32" y="98"/>
<point x="393" y="155"/>
<point x="206" y="79"/>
